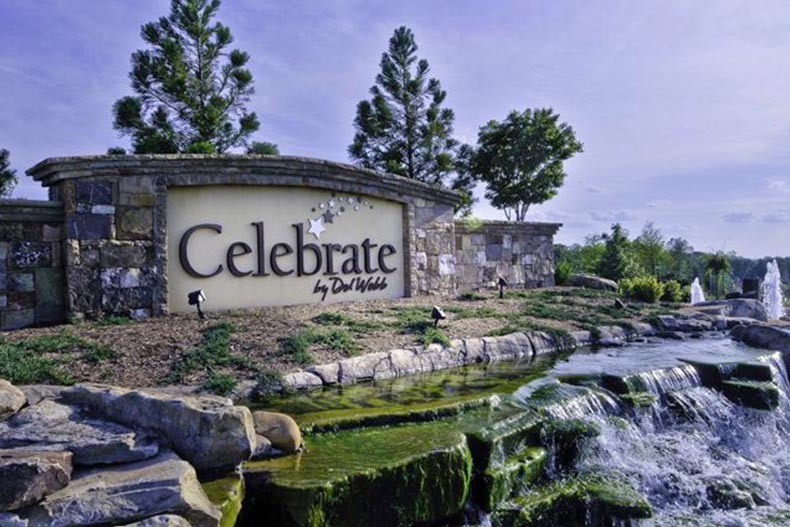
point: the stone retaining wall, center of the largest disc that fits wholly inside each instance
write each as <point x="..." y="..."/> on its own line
<point x="31" y="270"/>
<point x="521" y="253"/>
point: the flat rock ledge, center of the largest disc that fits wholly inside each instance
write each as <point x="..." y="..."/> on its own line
<point x="425" y="359"/>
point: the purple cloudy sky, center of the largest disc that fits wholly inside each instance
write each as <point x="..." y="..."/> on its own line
<point x="683" y="107"/>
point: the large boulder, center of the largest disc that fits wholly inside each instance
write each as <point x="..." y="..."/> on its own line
<point x="208" y="431"/>
<point x="735" y="307"/>
<point x="126" y="493"/>
<point x="762" y="336"/>
<point x="280" y="429"/>
<point x="11" y="399"/>
<point x="53" y="426"/>
<point x="29" y="475"/>
<point x="592" y="282"/>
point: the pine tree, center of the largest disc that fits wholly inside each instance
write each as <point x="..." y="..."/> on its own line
<point x="403" y="129"/>
<point x="616" y="262"/>
<point x="191" y="90"/>
<point x="7" y="174"/>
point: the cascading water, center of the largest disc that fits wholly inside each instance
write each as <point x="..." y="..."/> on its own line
<point x="702" y="460"/>
<point x="697" y="296"/>
<point x="771" y="294"/>
<point x="664" y="380"/>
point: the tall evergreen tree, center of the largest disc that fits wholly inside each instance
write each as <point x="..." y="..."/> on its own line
<point x="616" y="261"/>
<point x="191" y="89"/>
<point x="7" y="174"/>
<point x="403" y="128"/>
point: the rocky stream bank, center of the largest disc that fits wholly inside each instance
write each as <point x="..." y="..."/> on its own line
<point x="100" y="455"/>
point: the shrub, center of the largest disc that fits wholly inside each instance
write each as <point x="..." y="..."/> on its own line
<point x="220" y="383"/>
<point x="642" y="288"/>
<point x="471" y="296"/>
<point x="562" y="272"/>
<point x="673" y="292"/>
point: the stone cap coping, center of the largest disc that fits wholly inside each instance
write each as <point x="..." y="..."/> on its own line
<point x="506" y="227"/>
<point x="31" y="210"/>
<point x="55" y="169"/>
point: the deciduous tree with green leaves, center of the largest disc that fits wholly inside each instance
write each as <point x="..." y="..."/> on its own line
<point x="650" y="251"/>
<point x="716" y="267"/>
<point x="7" y="174"/>
<point x="403" y="129"/>
<point x="191" y="88"/>
<point x="521" y="158"/>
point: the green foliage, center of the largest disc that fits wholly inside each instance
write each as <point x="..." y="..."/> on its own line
<point x="8" y="179"/>
<point x="220" y="383"/>
<point x="43" y="359"/>
<point x="212" y="351"/>
<point x="521" y="159"/>
<point x="299" y="344"/>
<point x="403" y="129"/>
<point x="20" y="365"/>
<point x="643" y="288"/>
<point x="434" y="335"/>
<point x="616" y="261"/>
<point x="562" y="272"/>
<point x="191" y="90"/>
<point x="673" y="292"/>
<point x="263" y="148"/>
<point x="335" y="318"/>
<point x="717" y="266"/>
<point x="116" y="151"/>
<point x="114" y="320"/>
<point x="650" y="252"/>
<point x="471" y="296"/>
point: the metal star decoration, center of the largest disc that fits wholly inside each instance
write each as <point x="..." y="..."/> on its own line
<point x="316" y="226"/>
<point x="328" y="216"/>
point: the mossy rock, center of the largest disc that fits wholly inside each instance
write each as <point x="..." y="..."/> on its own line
<point x="227" y="494"/>
<point x="638" y="399"/>
<point x="351" y="418"/>
<point x="757" y="395"/>
<point x="623" y="384"/>
<point x="753" y="371"/>
<point x="588" y="501"/>
<point x="590" y="380"/>
<point x="566" y="440"/>
<point x="519" y="472"/>
<point x="711" y="374"/>
<point x="383" y="477"/>
<point x="509" y="433"/>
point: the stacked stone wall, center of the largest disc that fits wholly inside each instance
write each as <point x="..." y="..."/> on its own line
<point x="521" y="253"/>
<point x="31" y="270"/>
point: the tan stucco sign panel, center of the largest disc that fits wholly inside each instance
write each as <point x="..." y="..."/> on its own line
<point x="267" y="246"/>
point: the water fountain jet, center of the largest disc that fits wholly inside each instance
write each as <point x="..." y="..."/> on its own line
<point x="697" y="296"/>
<point x="771" y="292"/>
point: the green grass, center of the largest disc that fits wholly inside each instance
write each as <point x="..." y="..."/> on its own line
<point x="212" y="351"/>
<point x="471" y="296"/>
<point x="434" y="335"/>
<point x="334" y="318"/>
<point x="338" y="339"/>
<point x="220" y="383"/>
<point x="19" y="365"/>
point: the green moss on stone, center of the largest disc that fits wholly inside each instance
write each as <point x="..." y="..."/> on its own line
<point x="567" y="439"/>
<point x="350" y="418"/>
<point x="508" y="433"/>
<point x="397" y="476"/>
<point x="757" y="395"/>
<point x="639" y="399"/>
<point x="227" y="494"/>
<point x="588" y="501"/>
<point x="518" y="473"/>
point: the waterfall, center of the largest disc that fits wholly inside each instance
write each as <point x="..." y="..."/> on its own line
<point x="697" y="296"/>
<point x="591" y="404"/>
<point x="664" y="380"/>
<point x="771" y="294"/>
<point x="708" y="462"/>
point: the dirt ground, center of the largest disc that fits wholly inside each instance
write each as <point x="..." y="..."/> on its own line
<point x="145" y="352"/>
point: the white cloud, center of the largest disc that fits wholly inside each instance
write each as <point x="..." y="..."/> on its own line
<point x="780" y="185"/>
<point x="612" y="217"/>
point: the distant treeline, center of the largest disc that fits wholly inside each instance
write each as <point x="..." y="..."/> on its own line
<point x="616" y="256"/>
